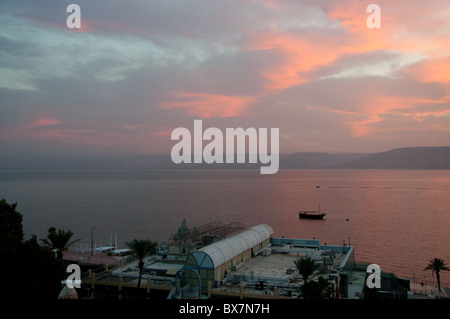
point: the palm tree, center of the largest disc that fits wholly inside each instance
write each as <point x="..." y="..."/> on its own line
<point x="58" y="240"/>
<point x="436" y="265"/>
<point x="306" y="267"/>
<point x="325" y="288"/>
<point x="141" y="249"/>
<point x="320" y="289"/>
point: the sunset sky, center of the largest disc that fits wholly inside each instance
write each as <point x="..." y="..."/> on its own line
<point x="138" y="69"/>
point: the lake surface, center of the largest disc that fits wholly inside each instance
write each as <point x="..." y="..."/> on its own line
<point x="398" y="219"/>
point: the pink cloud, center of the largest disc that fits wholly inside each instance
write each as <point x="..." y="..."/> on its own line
<point x="296" y="55"/>
<point x="210" y="105"/>
<point x="43" y="122"/>
<point x="432" y="70"/>
<point x="284" y="56"/>
<point x="162" y="134"/>
<point x="61" y="131"/>
<point x="378" y="108"/>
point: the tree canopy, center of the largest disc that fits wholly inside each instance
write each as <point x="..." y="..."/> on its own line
<point x="30" y="271"/>
<point x="306" y="267"/>
<point x="58" y="240"/>
<point x="141" y="249"/>
<point x="436" y="265"/>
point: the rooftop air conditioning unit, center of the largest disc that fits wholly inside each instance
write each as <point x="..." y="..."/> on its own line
<point x="238" y="266"/>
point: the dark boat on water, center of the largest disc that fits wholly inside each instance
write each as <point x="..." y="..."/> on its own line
<point x="311" y="214"/>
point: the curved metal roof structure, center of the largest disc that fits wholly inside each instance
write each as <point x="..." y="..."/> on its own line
<point x="214" y="255"/>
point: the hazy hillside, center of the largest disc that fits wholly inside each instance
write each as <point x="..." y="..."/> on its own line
<point x="317" y="160"/>
<point x="297" y="160"/>
<point x="402" y="158"/>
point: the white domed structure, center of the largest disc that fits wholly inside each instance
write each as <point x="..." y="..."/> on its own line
<point x="68" y="293"/>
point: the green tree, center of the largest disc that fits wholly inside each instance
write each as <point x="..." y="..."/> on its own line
<point x="306" y="267"/>
<point x="141" y="249"/>
<point x="436" y="265"/>
<point x="320" y="289"/>
<point x="10" y="223"/>
<point x="27" y="270"/>
<point x="46" y="271"/>
<point x="325" y="288"/>
<point x="58" y="240"/>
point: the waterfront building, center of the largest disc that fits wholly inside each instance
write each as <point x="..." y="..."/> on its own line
<point x="217" y="260"/>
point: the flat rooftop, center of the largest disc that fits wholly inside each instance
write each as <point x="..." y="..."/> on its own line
<point x="282" y="264"/>
<point x="273" y="266"/>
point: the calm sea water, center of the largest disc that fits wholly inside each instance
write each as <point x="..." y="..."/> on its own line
<point x="398" y="219"/>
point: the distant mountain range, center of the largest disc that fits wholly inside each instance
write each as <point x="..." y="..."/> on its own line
<point x="401" y="158"/>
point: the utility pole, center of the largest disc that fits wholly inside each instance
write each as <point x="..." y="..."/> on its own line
<point x="92" y="240"/>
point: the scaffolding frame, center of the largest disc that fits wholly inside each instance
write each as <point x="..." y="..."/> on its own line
<point x="213" y="229"/>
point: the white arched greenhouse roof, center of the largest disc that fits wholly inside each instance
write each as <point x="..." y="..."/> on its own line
<point x="216" y="254"/>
